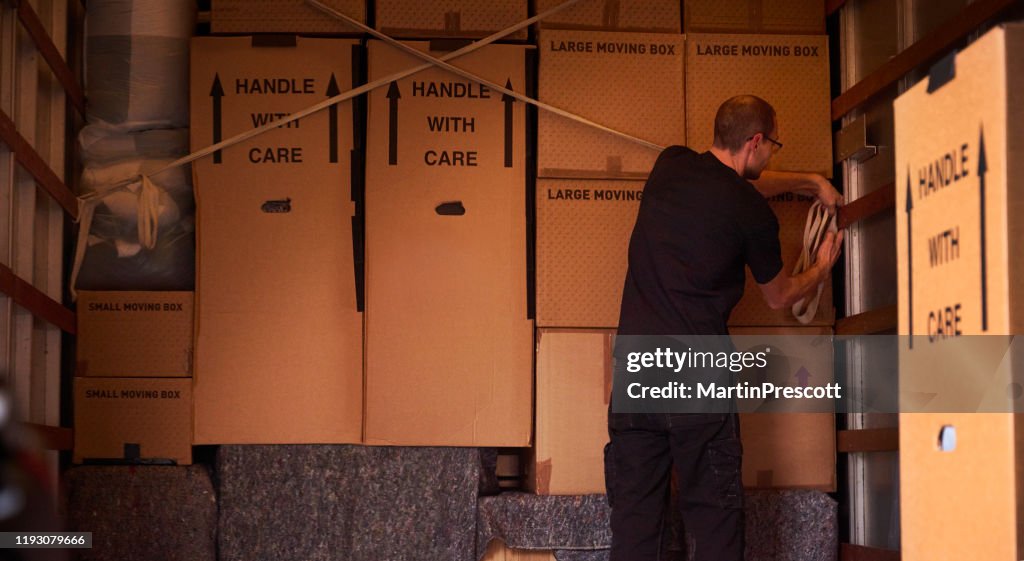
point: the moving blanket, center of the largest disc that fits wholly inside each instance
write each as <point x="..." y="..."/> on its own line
<point x="786" y="525"/>
<point x="550" y="522"/>
<point x="346" y="503"/>
<point x="140" y="513"/>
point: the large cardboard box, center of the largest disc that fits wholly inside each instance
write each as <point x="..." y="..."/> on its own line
<point x="653" y="16"/>
<point x="283" y="16"/>
<point x="628" y="82"/>
<point x="133" y="419"/>
<point x="791" y="211"/>
<point x="134" y="334"/>
<point x="449" y="345"/>
<point x="784" y="446"/>
<point x="789" y="71"/>
<point x="583" y="230"/>
<point x="278" y="334"/>
<point x="960" y="181"/>
<point x="574" y="380"/>
<point x="780" y="450"/>
<point x="754" y="16"/>
<point x="413" y="19"/>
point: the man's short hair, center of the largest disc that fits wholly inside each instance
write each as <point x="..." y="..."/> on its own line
<point x="740" y="118"/>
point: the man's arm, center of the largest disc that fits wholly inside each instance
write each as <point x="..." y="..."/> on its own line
<point x="784" y="290"/>
<point x="772" y="183"/>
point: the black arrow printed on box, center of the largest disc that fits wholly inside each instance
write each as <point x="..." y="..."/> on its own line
<point x="508" y="101"/>
<point x="910" y="265"/>
<point x="982" y="169"/>
<point x="393" y="96"/>
<point x="332" y="120"/>
<point x="217" y="93"/>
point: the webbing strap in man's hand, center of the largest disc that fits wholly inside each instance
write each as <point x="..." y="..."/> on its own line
<point x="819" y="222"/>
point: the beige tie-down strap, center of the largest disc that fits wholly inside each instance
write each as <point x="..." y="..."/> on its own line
<point x="148" y="212"/>
<point x="819" y="222"/>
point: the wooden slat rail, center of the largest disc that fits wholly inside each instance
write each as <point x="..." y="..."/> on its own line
<point x="850" y="552"/>
<point x="868" y="440"/>
<point x="44" y="44"/>
<point x="866" y="323"/>
<point x="35" y="301"/>
<point x="925" y="51"/>
<point x="53" y="438"/>
<point x="876" y="202"/>
<point x="27" y="156"/>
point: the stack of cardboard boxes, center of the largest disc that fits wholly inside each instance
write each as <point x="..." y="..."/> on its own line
<point x="631" y="78"/>
<point x="133" y="385"/>
<point x="619" y="65"/>
<point x="305" y="226"/>
<point x="777" y="51"/>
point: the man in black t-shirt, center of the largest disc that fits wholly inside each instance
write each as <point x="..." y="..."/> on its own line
<point x="701" y="222"/>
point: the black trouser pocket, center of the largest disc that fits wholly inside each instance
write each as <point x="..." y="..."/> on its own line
<point x="725" y="458"/>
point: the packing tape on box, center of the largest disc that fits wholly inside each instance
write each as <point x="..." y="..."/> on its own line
<point x="610" y="14"/>
<point x="609" y="367"/>
<point x="819" y="222"/>
<point x="543" y="476"/>
<point x="755" y="14"/>
<point x="147" y="231"/>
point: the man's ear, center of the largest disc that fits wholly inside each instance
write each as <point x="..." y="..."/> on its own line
<point x="756" y="140"/>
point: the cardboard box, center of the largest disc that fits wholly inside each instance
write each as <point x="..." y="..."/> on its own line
<point x="754" y="16"/>
<point x="449" y="343"/>
<point x="413" y="19"/>
<point x="497" y="551"/>
<point x="134" y="334"/>
<point x="133" y="419"/>
<point x="791" y="211"/>
<point x="583" y="230"/>
<point x="960" y="503"/>
<point x="780" y="450"/>
<point x="283" y="16"/>
<point x="574" y="377"/>
<point x="959" y="181"/>
<point x="788" y="71"/>
<point x="783" y="448"/>
<point x="279" y="335"/>
<point x="653" y="16"/>
<point x="628" y="82"/>
<point x="789" y="450"/>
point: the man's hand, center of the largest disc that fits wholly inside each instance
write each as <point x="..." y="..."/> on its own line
<point x="828" y="252"/>
<point x="827" y="194"/>
<point x="772" y="183"/>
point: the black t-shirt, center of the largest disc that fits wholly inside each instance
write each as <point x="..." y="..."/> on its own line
<point x="698" y="225"/>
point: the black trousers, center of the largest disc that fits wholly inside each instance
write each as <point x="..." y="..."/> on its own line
<point x="705" y="452"/>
